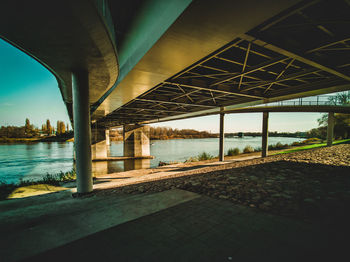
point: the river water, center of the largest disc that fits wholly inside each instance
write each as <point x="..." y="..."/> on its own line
<point x="34" y="160"/>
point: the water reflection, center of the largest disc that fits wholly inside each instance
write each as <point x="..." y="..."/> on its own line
<point x="62" y="144"/>
<point x="136" y="164"/>
<point x="100" y="168"/>
<point x="49" y="149"/>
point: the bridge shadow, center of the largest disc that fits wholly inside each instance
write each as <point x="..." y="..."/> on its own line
<point x="184" y="169"/>
<point x="288" y="188"/>
<point x="213" y="228"/>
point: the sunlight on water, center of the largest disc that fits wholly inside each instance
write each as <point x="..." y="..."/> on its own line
<point x="32" y="161"/>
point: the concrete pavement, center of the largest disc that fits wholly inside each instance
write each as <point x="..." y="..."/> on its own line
<point x="33" y="225"/>
<point x="206" y="229"/>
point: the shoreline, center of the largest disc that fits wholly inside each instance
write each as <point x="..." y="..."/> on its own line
<point x="250" y="158"/>
<point x="65" y="139"/>
<point x="34" y="140"/>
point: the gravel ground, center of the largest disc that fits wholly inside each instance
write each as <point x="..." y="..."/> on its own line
<point x="310" y="184"/>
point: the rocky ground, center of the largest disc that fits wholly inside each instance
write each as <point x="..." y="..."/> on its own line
<point x="308" y="184"/>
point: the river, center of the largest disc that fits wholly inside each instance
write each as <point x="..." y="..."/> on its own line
<point x="34" y="160"/>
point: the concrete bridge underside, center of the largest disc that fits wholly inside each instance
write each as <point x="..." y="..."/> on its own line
<point x="233" y="54"/>
<point x="138" y="62"/>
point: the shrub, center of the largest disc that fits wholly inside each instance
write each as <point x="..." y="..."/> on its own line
<point x="233" y="151"/>
<point x="279" y="145"/>
<point x="204" y="156"/>
<point x="272" y="147"/>
<point x="296" y="144"/>
<point x="248" y="149"/>
<point x="192" y="159"/>
<point x="313" y="140"/>
<point x="257" y="149"/>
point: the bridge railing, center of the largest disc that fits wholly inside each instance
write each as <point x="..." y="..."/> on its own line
<point x="321" y="100"/>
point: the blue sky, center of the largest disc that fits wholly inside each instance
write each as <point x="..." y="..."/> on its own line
<point x="28" y="90"/>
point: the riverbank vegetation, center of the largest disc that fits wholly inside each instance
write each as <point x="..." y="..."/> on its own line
<point x="314" y="145"/>
<point x="341" y="123"/>
<point x="165" y="133"/>
<point x="48" y="179"/>
<point x="30" y="133"/>
<point x="293" y="147"/>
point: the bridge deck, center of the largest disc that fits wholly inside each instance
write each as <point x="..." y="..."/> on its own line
<point x="302" y="51"/>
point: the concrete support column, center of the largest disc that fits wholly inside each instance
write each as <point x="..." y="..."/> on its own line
<point x="330" y="128"/>
<point x="221" y="138"/>
<point x="82" y="130"/>
<point x="136" y="140"/>
<point x="265" y="134"/>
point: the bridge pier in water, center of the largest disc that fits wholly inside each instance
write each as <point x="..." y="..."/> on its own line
<point x="330" y="128"/>
<point x="265" y="134"/>
<point x="99" y="142"/>
<point x="136" y="140"/>
<point x="82" y="130"/>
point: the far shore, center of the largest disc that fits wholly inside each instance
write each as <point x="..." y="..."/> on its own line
<point x="9" y="140"/>
<point x="5" y="140"/>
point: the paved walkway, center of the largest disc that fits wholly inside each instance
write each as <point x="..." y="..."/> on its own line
<point x="173" y="225"/>
<point x="206" y="229"/>
<point x="33" y="225"/>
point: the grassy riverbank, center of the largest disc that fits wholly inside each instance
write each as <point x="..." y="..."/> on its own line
<point x="344" y="141"/>
<point x="6" y="190"/>
<point x="57" y="179"/>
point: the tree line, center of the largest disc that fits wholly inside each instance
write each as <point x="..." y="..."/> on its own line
<point x="164" y="133"/>
<point x="341" y="128"/>
<point x="341" y="121"/>
<point x="30" y="131"/>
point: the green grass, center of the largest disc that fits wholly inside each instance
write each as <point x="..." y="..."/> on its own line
<point x="233" y="151"/>
<point x="49" y="179"/>
<point x="312" y="146"/>
<point x="248" y="149"/>
<point x="204" y="156"/>
<point x="201" y="157"/>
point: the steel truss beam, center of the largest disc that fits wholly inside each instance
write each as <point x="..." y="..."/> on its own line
<point x="216" y="90"/>
<point x="295" y="56"/>
<point x="172" y="102"/>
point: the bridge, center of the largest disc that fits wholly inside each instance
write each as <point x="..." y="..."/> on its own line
<point x="136" y="62"/>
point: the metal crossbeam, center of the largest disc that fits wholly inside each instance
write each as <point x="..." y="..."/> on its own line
<point x="155" y="110"/>
<point x="289" y="77"/>
<point x="295" y="56"/>
<point x="208" y="58"/>
<point x="280" y="74"/>
<point x="251" y="70"/>
<point x="244" y="65"/>
<point x="185" y="94"/>
<point x="217" y="90"/>
<point x="343" y="41"/>
<point x="171" y="102"/>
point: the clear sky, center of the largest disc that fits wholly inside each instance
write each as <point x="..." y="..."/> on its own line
<point x="28" y="90"/>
